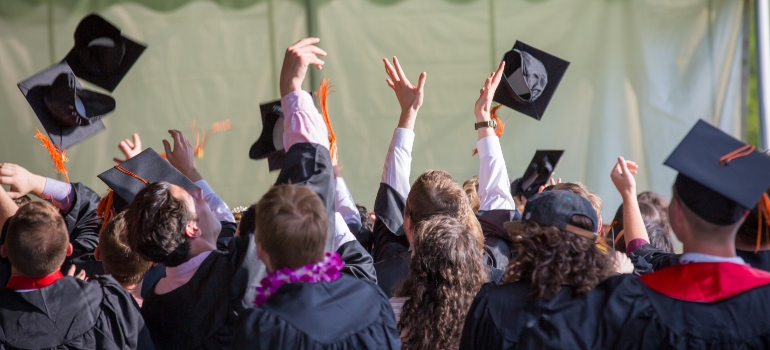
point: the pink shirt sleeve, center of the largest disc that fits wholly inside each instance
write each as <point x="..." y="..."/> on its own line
<point x="302" y="121"/>
<point x="635" y="244"/>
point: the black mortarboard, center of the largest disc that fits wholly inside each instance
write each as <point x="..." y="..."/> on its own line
<point x="128" y="178"/>
<point x="529" y="80"/>
<point x="270" y="142"/>
<point x="538" y="173"/>
<point x="101" y="55"/>
<point x="719" y="177"/>
<point x="68" y="112"/>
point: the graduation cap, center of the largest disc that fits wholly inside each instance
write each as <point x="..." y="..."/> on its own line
<point x="68" y="112"/>
<point x="101" y="55"/>
<point x="555" y="208"/>
<point x="270" y="142"/>
<point x="128" y="178"/>
<point x="529" y="80"/>
<point x="719" y="177"/>
<point x="538" y="173"/>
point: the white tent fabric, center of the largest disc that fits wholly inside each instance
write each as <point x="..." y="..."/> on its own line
<point x="642" y="72"/>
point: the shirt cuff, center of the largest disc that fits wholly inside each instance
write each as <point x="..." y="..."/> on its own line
<point x="342" y="233"/>
<point x="635" y="244"/>
<point x="216" y="204"/>
<point x="489" y="147"/>
<point x="302" y="122"/>
<point x="403" y="138"/>
<point x="206" y="190"/>
<point x="60" y="194"/>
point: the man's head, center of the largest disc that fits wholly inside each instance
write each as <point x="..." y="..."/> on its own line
<point x="291" y="227"/>
<point x="165" y="220"/>
<point x="690" y="227"/>
<point x="118" y="259"/>
<point x="435" y="192"/>
<point x="37" y="241"/>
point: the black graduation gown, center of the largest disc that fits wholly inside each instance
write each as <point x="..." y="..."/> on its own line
<point x="201" y="314"/>
<point x="648" y="258"/>
<point x="497" y="241"/>
<point x="391" y="273"/>
<point x="72" y="314"/>
<point x="689" y="306"/>
<point x="343" y="314"/>
<point x="502" y="318"/>
<point x="389" y="237"/>
<point x="358" y="262"/>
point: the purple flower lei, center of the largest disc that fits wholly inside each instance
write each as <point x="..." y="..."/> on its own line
<point x="326" y="270"/>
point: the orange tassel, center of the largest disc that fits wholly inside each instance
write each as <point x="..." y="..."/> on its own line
<point x="323" y="94"/>
<point x="104" y="209"/>
<point x="763" y="208"/>
<point x="201" y="140"/>
<point x="500" y="125"/>
<point x="58" y="156"/>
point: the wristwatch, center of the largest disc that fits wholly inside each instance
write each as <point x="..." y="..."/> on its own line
<point x="487" y="124"/>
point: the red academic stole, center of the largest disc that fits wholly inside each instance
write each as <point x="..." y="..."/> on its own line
<point x="706" y="282"/>
<point x="28" y="282"/>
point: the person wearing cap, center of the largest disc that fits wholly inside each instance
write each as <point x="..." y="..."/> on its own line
<point x="41" y="309"/>
<point x="711" y="298"/>
<point x="544" y="302"/>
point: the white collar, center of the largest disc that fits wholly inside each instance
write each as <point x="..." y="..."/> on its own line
<point x="687" y="258"/>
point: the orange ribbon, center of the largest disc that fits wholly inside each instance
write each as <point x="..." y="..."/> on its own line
<point x="740" y="152"/>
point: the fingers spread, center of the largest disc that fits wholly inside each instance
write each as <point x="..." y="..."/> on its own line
<point x="390" y="70"/>
<point x="304" y="42"/>
<point x="421" y="81"/>
<point x="400" y="72"/>
<point x="167" y="147"/>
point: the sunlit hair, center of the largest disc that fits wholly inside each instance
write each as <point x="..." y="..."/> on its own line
<point x="435" y="192"/>
<point x="550" y="258"/>
<point x="446" y="271"/>
<point x="471" y="188"/>
<point x="117" y="257"/>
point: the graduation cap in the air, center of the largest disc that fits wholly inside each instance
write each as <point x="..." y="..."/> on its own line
<point x="128" y="178"/>
<point x="529" y="80"/>
<point x="538" y="173"/>
<point x="68" y="112"/>
<point x="270" y="142"/>
<point x="719" y="177"/>
<point x="101" y="55"/>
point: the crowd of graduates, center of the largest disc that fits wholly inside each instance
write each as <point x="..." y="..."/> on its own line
<point x="160" y="261"/>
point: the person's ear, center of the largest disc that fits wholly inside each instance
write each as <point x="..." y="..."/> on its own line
<point x="191" y="230"/>
<point x="3" y="251"/>
<point x="97" y="254"/>
<point x="69" y="249"/>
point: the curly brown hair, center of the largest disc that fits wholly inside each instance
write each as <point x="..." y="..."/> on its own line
<point x="549" y="258"/>
<point x="446" y="272"/>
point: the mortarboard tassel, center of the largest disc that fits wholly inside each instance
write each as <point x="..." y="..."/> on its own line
<point x="200" y="141"/>
<point x="763" y="209"/>
<point x="500" y="125"/>
<point x="323" y="95"/>
<point x="104" y="209"/>
<point x="58" y="156"/>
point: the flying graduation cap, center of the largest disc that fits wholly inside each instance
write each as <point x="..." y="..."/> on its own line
<point x="128" y="178"/>
<point x="538" y="173"/>
<point x="530" y="79"/>
<point x="720" y="178"/>
<point x="101" y="55"/>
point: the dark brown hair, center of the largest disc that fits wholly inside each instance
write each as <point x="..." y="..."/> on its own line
<point x="37" y="239"/>
<point x="157" y="222"/>
<point x="659" y="237"/>
<point x="471" y="188"/>
<point x="117" y="257"/>
<point x="435" y="192"/>
<point x="550" y="258"/>
<point x="291" y="226"/>
<point x="446" y="271"/>
<point x="248" y="220"/>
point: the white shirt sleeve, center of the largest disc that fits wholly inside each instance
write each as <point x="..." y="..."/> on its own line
<point x="344" y="203"/>
<point x="342" y="233"/>
<point x="494" y="186"/>
<point x="216" y="204"/>
<point x="398" y="162"/>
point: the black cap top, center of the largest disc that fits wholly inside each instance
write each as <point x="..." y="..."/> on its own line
<point x="538" y="173"/>
<point x="101" y="55"/>
<point x="555" y="208"/>
<point x="531" y="77"/>
<point x="719" y="177"/>
<point x="128" y="178"/>
<point x="68" y="112"/>
<point x="270" y="142"/>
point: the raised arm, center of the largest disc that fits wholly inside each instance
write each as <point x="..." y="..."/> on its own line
<point x="633" y="224"/>
<point x="494" y="186"/>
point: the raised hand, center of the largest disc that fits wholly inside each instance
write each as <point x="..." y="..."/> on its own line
<point x="20" y="180"/>
<point x="409" y="97"/>
<point x="623" y="177"/>
<point x="487" y="93"/>
<point x="182" y="157"/>
<point x="129" y="149"/>
<point x="295" y="62"/>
